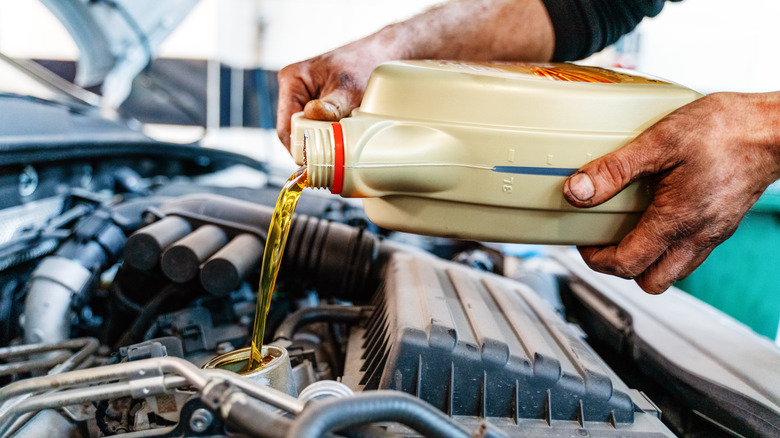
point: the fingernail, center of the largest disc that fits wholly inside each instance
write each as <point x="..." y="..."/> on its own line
<point x="581" y="187"/>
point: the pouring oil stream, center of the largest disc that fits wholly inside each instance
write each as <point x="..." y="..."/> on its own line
<point x="272" y="257"/>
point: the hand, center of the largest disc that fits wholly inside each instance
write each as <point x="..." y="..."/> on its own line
<point x="330" y="86"/>
<point x="707" y="163"/>
<point x="326" y="87"/>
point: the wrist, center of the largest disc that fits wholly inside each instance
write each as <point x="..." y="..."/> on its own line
<point x="764" y="108"/>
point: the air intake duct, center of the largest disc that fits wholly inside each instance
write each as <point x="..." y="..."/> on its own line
<point x="220" y="240"/>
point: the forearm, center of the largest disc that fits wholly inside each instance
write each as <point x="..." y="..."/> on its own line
<point x="329" y="86"/>
<point x="473" y="30"/>
<point x="763" y="111"/>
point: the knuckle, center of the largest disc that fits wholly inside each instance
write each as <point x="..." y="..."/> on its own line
<point x="633" y="258"/>
<point x="627" y="268"/>
<point x="346" y="81"/>
<point x="618" y="266"/>
<point x="289" y="72"/>
<point x="709" y="237"/>
<point x="615" y="169"/>
<point x="652" y="284"/>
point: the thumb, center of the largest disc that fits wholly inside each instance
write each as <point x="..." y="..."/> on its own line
<point x="604" y="177"/>
<point x="331" y="107"/>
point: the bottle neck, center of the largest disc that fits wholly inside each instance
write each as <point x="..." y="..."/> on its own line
<point x="324" y="157"/>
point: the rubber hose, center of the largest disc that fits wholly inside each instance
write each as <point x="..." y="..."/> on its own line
<point x="100" y="418"/>
<point x="255" y="419"/>
<point x="310" y="315"/>
<point x="321" y="417"/>
<point x="150" y="311"/>
<point x="366" y="431"/>
<point x="340" y="257"/>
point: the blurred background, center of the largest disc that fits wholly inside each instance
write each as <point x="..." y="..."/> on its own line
<point x="213" y="80"/>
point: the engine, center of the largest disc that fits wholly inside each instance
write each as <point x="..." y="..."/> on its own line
<point x="126" y="271"/>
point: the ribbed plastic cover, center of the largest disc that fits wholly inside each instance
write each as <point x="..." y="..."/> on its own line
<point x="479" y="345"/>
<point x="706" y="360"/>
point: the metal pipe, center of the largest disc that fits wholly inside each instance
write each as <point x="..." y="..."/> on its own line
<point x="60" y="399"/>
<point x="37" y="364"/>
<point x="144" y="368"/>
<point x="90" y="345"/>
<point x="121" y="371"/>
<point x="86" y="346"/>
<point x="138" y="379"/>
<point x="162" y="432"/>
<point x="265" y="394"/>
<point x="47" y="307"/>
<point x="27" y="349"/>
<point x="82" y="395"/>
<point x="19" y="423"/>
<point x="78" y="359"/>
<point x="70" y="397"/>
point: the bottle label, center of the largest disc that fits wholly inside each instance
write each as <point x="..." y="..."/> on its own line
<point x="547" y="71"/>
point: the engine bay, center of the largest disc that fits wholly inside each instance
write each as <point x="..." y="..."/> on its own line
<point x="126" y="269"/>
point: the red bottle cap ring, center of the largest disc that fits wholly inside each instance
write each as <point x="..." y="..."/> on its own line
<point x="338" y="159"/>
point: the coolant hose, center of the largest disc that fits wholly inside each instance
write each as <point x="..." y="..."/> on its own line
<point x="62" y="279"/>
<point x="50" y="291"/>
<point x="255" y="419"/>
<point x="242" y="412"/>
<point x="310" y="315"/>
<point x="322" y="417"/>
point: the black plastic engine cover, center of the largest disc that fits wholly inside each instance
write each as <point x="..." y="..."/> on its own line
<point x="475" y="344"/>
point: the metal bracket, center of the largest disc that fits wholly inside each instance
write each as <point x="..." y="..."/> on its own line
<point x="146" y="382"/>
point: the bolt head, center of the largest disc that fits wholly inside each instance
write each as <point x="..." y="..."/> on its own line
<point x="200" y="420"/>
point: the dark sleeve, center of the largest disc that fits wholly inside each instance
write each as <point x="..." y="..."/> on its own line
<point x="583" y="27"/>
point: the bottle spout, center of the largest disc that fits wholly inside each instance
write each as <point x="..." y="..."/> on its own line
<point x="314" y="144"/>
<point x="297" y="138"/>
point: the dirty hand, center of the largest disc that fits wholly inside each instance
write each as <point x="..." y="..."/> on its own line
<point x="329" y="86"/>
<point x="707" y="163"/>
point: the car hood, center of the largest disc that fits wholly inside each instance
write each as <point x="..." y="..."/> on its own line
<point x="117" y="38"/>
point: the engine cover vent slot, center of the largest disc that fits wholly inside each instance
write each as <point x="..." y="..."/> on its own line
<point x="479" y="345"/>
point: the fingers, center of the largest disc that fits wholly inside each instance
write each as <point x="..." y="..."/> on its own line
<point x="706" y="172"/>
<point x="323" y="89"/>
<point x="604" y="177"/>
<point x="655" y="254"/>
<point x="322" y="110"/>
<point x="642" y="247"/>
<point x="333" y="107"/>
<point x="293" y="94"/>
<point x="283" y="122"/>
<point x="677" y="263"/>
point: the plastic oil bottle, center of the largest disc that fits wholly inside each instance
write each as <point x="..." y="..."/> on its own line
<point x="481" y="151"/>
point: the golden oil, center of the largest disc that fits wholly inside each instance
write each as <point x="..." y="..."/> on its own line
<point x="237" y="361"/>
<point x="272" y="257"/>
<point x="274" y="372"/>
